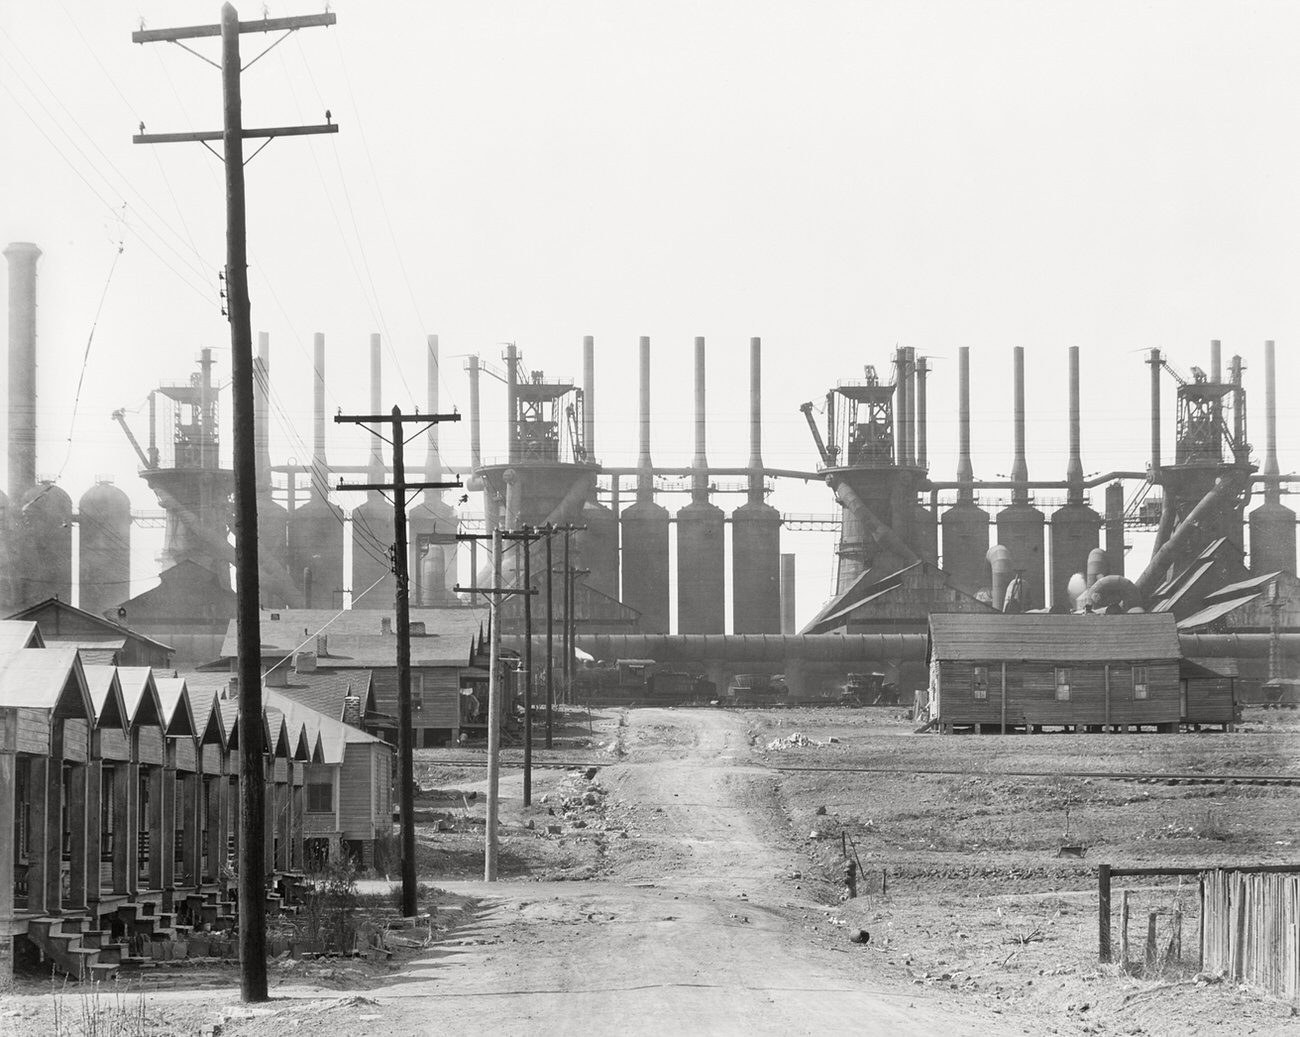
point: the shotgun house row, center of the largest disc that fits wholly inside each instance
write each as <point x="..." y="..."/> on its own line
<point x="120" y="808"/>
<point x="1080" y="671"/>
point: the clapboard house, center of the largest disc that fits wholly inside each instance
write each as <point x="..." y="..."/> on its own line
<point x="1079" y="672"/>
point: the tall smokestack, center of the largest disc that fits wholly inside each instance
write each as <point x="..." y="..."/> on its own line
<point x="376" y="407"/>
<point x="965" y="471"/>
<point x="512" y="400"/>
<point x="318" y="419"/>
<point x="1154" y="360"/>
<point x="700" y="465"/>
<point x="589" y="396"/>
<point x="1074" y="468"/>
<point x="1216" y="362"/>
<point x="433" y="458"/>
<point x="1019" y="466"/>
<point x="475" y="432"/>
<point x="22" y="256"/>
<point x="902" y="449"/>
<point x="645" y="473"/>
<point x="261" y="413"/>
<point x="1272" y="491"/>
<point x="910" y="382"/>
<point x="922" y="446"/>
<point x="756" y="421"/>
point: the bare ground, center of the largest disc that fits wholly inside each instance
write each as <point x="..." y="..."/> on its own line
<point x="698" y="888"/>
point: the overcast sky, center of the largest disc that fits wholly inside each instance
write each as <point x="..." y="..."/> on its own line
<point x="837" y="178"/>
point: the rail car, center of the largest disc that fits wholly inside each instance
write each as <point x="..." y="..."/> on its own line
<point x="640" y="682"/>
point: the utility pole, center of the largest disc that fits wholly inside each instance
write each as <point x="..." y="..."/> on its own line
<point x="405" y="732"/>
<point x="494" y="721"/>
<point x="252" y="777"/>
<point x="550" y="639"/>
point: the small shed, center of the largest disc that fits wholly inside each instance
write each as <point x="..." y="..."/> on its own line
<point x="1031" y="671"/>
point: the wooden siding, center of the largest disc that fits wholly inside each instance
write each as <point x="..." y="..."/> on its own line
<point x="280" y="772"/>
<point x="356" y="790"/>
<point x="182" y="754"/>
<point x="1031" y="695"/>
<point x="149" y="741"/>
<point x="441" y="700"/>
<point x="1209" y="701"/>
<point x="76" y="740"/>
<point x="111" y="744"/>
<point x="33" y="732"/>
<point x="212" y="759"/>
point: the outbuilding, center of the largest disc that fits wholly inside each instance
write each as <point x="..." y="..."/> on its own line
<point x="1030" y="671"/>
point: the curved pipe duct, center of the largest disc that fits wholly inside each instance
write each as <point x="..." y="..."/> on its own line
<point x="1224" y="487"/>
<point x="1113" y="590"/>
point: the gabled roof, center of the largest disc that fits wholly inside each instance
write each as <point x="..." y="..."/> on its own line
<point x="106" y="694"/>
<point x="207" y="709"/>
<point x="355" y="637"/>
<point x="19" y="633"/>
<point x="55" y="605"/>
<point x="1043" y="637"/>
<point x="178" y="711"/>
<point x="141" y="695"/>
<point x="50" y="679"/>
<point x="325" y="690"/>
<point x="334" y="736"/>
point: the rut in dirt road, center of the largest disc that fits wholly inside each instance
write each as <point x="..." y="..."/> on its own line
<point x="698" y="928"/>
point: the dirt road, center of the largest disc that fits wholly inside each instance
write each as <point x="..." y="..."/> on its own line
<point x="702" y="926"/>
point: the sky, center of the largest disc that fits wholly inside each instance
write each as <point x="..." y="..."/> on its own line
<point x="839" y="179"/>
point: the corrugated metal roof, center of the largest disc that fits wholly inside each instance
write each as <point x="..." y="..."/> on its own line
<point x="1236" y="590"/>
<point x="1210" y="613"/>
<point x="1045" y="637"/>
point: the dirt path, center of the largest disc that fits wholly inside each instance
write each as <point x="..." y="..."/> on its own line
<point x="700" y="928"/>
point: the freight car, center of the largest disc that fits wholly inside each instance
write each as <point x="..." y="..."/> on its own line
<point x="640" y="682"/>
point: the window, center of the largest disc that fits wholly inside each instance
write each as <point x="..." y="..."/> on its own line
<point x="320" y="797"/>
<point x="979" y="682"/>
<point x="1141" y="689"/>
<point x="1062" y="684"/>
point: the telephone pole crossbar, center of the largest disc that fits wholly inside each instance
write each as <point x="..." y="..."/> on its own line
<point x="405" y="734"/>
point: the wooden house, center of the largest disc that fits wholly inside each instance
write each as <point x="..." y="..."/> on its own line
<point x="446" y="645"/>
<point x="46" y="715"/>
<point x="348" y="781"/>
<point x="101" y="640"/>
<point x="1032" y="671"/>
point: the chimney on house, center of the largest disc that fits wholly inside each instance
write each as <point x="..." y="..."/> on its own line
<point x="304" y="662"/>
<point x="386" y="625"/>
<point x="277" y="676"/>
<point x="322" y="644"/>
<point x="417" y="629"/>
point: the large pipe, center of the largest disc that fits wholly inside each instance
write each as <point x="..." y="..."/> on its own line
<point x="1224" y="487"/>
<point x="1074" y="467"/>
<point x="1272" y="491"/>
<point x="1155" y="361"/>
<point x="645" y="468"/>
<point x="700" y="464"/>
<point x="589" y="396"/>
<point x="1019" y="466"/>
<point x="22" y="257"/>
<point x="999" y="559"/>
<point x="922" y="433"/>
<point x="512" y="402"/>
<point x="376" y="407"/>
<point x="965" y="471"/>
<point x="902" y="421"/>
<point x="318" y="419"/>
<point x="755" y="421"/>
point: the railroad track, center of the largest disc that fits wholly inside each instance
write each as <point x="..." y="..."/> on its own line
<point x="1141" y="777"/>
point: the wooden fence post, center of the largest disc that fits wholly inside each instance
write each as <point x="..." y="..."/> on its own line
<point x="1123" y="930"/>
<point x="1103" y="913"/>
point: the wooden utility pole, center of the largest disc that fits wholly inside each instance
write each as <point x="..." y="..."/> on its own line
<point x="405" y="732"/>
<point x="252" y="776"/>
<point x="528" y="668"/>
<point x="550" y="640"/>
<point x="494" y="720"/>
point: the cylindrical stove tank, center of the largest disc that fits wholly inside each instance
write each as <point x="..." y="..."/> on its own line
<point x="1076" y="533"/>
<point x="966" y="545"/>
<point x="316" y="543"/>
<point x="1020" y="531"/>
<point x="701" y="575"/>
<point x="756" y="530"/>
<point x="645" y="564"/>
<point x="44" y="524"/>
<point x="598" y="547"/>
<point x="104" y="547"/>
